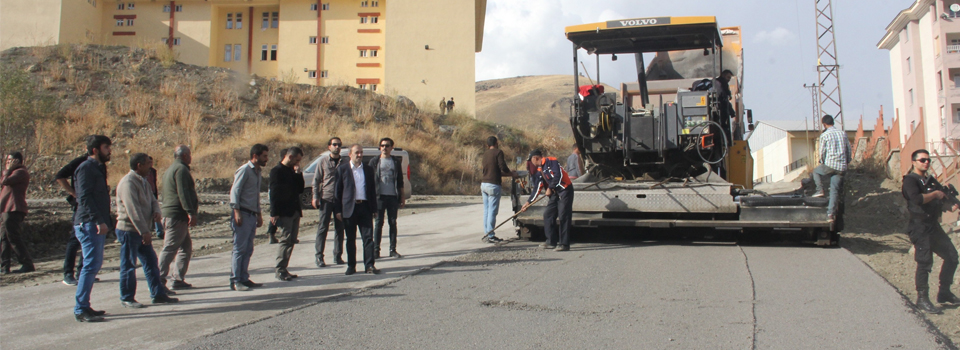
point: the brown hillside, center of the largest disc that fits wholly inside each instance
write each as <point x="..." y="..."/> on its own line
<point x="529" y="103"/>
<point x="52" y="97"/>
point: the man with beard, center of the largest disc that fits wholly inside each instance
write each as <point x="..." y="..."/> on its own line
<point x="356" y="205"/>
<point x="92" y="221"/>
<point x="246" y="216"/>
<point x="324" y="182"/>
<point x="286" y="186"/>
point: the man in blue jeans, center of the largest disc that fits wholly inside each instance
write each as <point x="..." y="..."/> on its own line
<point x="91" y="221"/>
<point x="494" y="169"/>
<point x="137" y="209"/>
<point x="834" y="156"/>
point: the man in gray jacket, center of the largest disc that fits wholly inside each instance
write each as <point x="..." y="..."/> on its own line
<point x="246" y="217"/>
<point x="137" y="211"/>
<point x="179" y="209"/>
<point x="323" y="197"/>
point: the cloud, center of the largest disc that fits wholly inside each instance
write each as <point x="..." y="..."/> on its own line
<point x="777" y="37"/>
<point x="609" y="15"/>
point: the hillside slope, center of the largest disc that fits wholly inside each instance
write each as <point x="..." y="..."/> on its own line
<point x="52" y="97"/>
<point x="529" y="103"/>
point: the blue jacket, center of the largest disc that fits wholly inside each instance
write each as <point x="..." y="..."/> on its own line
<point x="93" y="194"/>
<point x="549" y="174"/>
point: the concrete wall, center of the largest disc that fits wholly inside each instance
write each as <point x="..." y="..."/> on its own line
<point x="30" y="23"/>
<point x="771" y="159"/>
<point x="80" y="22"/>
<point x="447" y="69"/>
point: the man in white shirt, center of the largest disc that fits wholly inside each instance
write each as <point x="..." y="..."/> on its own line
<point x="356" y="206"/>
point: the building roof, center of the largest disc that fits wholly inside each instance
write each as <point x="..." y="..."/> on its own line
<point x="912" y="13"/>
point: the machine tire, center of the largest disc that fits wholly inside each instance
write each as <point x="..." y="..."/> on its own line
<point x="306" y="200"/>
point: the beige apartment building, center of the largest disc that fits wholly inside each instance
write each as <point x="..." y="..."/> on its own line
<point x="422" y="49"/>
<point x="924" y="45"/>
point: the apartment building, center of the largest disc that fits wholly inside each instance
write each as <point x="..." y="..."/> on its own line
<point x="924" y="45"/>
<point x="422" y="49"/>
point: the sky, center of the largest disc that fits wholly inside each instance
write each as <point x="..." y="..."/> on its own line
<point x="779" y="42"/>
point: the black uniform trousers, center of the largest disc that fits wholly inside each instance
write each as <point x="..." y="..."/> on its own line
<point x="362" y="219"/>
<point x="387" y="207"/>
<point x="928" y="238"/>
<point x="559" y="206"/>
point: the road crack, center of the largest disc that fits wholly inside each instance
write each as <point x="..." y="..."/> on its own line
<point x="753" y="301"/>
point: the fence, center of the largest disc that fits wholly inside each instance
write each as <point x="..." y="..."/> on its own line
<point x="799" y="163"/>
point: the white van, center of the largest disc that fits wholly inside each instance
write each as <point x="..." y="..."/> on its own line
<point x="368" y="153"/>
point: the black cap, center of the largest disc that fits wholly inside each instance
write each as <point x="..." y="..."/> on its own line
<point x="535" y="152"/>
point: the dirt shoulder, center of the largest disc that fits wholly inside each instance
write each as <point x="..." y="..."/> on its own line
<point x="48" y="225"/>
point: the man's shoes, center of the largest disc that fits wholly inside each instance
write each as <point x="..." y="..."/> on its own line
<point x="26" y="268"/>
<point x="946" y="297"/>
<point x="87" y="316"/>
<point x="562" y="248"/>
<point x="169" y="292"/>
<point x="394" y="254"/>
<point x="96" y="279"/>
<point x="239" y="287"/>
<point x="320" y="262"/>
<point x="132" y="304"/>
<point x="924" y="304"/>
<point x="273" y="239"/>
<point x="296" y="241"/>
<point x="546" y="245"/>
<point x="376" y="254"/>
<point x="69" y="280"/>
<point x="251" y="284"/>
<point x="492" y="239"/>
<point x="819" y="195"/>
<point x="351" y="270"/>
<point x="165" y="300"/>
<point x="283" y="277"/>
<point x="95" y="312"/>
<point x="5" y="270"/>
<point x="181" y="285"/>
<point x="339" y="261"/>
<point x="372" y="270"/>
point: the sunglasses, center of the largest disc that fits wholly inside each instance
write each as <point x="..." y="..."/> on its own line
<point x="923" y="160"/>
<point x="335" y="144"/>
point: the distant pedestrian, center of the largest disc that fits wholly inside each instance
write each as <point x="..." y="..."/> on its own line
<point x="388" y="174"/>
<point x="450" y="105"/>
<point x="67" y="180"/>
<point x="574" y="164"/>
<point x="271" y="227"/>
<point x="286" y="186"/>
<point x="14" y="181"/>
<point x="443" y="106"/>
<point x="92" y="221"/>
<point x="834" y="156"/>
<point x="246" y="216"/>
<point x="494" y="167"/>
<point x="137" y="211"/>
<point x="324" y="186"/>
<point x="180" y="209"/>
<point x="355" y="205"/>
<point x="553" y="181"/>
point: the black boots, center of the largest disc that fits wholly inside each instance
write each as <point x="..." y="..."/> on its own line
<point x="946" y="297"/>
<point x="923" y="303"/>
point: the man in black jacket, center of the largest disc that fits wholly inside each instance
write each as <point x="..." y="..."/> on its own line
<point x="925" y="204"/>
<point x="354" y="205"/>
<point x="389" y="188"/>
<point x="65" y="177"/>
<point x="92" y="221"/>
<point x="286" y="185"/>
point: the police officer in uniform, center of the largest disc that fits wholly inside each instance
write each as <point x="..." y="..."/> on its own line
<point x="925" y="205"/>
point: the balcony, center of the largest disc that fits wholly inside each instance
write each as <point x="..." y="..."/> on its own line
<point x="953" y="48"/>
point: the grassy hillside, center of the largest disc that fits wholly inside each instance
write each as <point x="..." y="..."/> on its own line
<point x="530" y="102"/>
<point x="147" y="102"/>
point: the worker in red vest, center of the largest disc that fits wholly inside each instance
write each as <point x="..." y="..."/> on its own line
<point x="550" y="179"/>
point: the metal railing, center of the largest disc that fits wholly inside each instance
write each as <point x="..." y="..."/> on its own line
<point x="953" y="48"/>
<point x="768" y="178"/>
<point x="799" y="163"/>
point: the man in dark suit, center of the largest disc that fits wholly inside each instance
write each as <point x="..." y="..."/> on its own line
<point x="356" y="205"/>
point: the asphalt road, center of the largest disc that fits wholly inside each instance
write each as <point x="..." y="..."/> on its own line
<point x="612" y="295"/>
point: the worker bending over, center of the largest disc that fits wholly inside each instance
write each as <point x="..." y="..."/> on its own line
<point x="550" y="178"/>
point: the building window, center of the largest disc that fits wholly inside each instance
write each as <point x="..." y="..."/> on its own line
<point x="363" y="53"/>
<point x="909" y="66"/>
<point x="362" y="86"/>
<point x="166" y="8"/>
<point x="273" y="52"/>
<point x="229" y="21"/>
<point x="374" y="3"/>
<point x="911" y="97"/>
<point x="166" y="41"/>
<point x="313" y="7"/>
<point x="313" y="40"/>
<point x="227" y="53"/>
<point x="373" y="87"/>
<point x="120" y="23"/>
<point x="266" y="21"/>
<point x="323" y="74"/>
<point x="312" y="74"/>
<point x="326" y="7"/>
<point x="130" y="6"/>
<point x="956" y="116"/>
<point x="373" y="53"/>
<point x="275" y="21"/>
<point x="263" y="53"/>
<point x="940" y="81"/>
<point x="120" y="6"/>
<point x="178" y="8"/>
<point x="239" y="21"/>
<point x="363" y="20"/>
<point x="374" y="19"/>
<point x="236" y="52"/>
<point x="130" y="22"/>
<point x="325" y="40"/>
<point x="364" y="3"/>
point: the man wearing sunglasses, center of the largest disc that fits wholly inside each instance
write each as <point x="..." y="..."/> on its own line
<point x="834" y="157"/>
<point x="389" y="189"/>
<point x="323" y="197"/>
<point x="925" y="204"/>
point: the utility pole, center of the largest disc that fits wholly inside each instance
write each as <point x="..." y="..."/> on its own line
<point x="828" y="68"/>
<point x="814" y="92"/>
